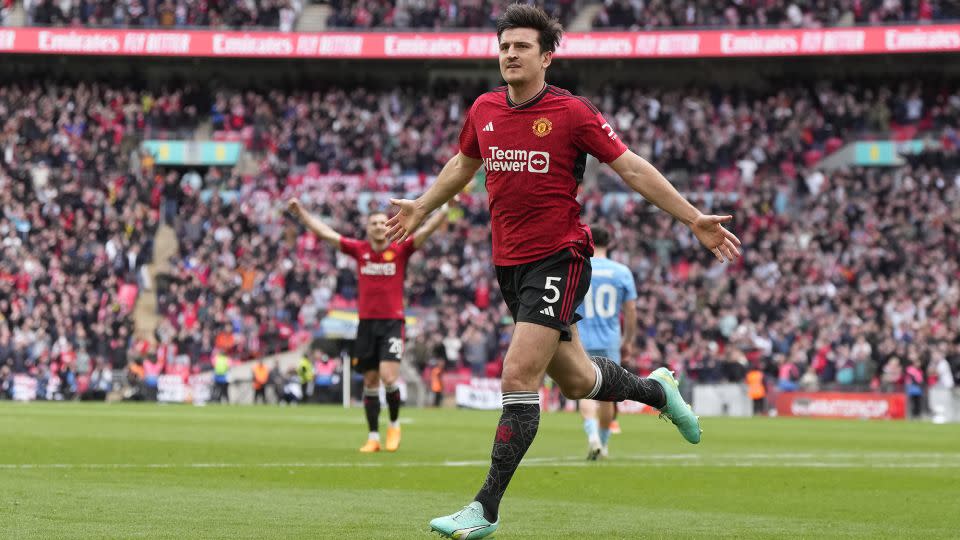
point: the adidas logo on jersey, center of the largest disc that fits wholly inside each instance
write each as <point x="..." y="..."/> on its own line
<point x="488" y="127"/>
<point x="547" y="311"/>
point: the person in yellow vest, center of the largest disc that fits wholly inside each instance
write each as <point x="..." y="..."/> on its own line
<point x="305" y="371"/>
<point x="757" y="391"/>
<point x="221" y="382"/>
<point x="261" y="376"/>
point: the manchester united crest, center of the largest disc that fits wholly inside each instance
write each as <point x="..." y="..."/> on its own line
<point x="388" y="255"/>
<point x="542" y="127"/>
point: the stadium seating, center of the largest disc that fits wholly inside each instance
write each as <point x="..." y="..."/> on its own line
<point x="435" y="14"/>
<point x="77" y="226"/>
<point x="825" y="253"/>
<point x="611" y="14"/>
<point x="264" y="14"/>
<point x="625" y="14"/>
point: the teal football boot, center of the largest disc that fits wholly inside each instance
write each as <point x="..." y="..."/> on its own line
<point x="677" y="410"/>
<point x="466" y="524"/>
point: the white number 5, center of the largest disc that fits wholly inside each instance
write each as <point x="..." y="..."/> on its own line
<point x="550" y="287"/>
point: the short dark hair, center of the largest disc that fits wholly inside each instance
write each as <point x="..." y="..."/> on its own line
<point x="601" y="236"/>
<point x="527" y="16"/>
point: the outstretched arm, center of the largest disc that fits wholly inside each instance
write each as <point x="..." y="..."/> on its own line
<point x="319" y="228"/>
<point x="428" y="228"/>
<point x="646" y="180"/>
<point x="455" y="176"/>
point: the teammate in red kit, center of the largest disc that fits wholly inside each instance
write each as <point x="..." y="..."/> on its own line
<point x="379" y="345"/>
<point x="533" y="139"/>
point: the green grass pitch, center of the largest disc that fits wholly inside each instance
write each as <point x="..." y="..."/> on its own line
<point x="73" y="470"/>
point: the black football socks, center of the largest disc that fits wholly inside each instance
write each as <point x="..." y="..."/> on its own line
<point x="617" y="384"/>
<point x="371" y="404"/>
<point x="515" y="432"/>
<point x="393" y="402"/>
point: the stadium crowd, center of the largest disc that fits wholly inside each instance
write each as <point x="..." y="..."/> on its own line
<point x="432" y="13"/>
<point x="639" y="14"/>
<point x="735" y="142"/>
<point x="442" y="14"/>
<point x="236" y="14"/>
<point x="848" y="277"/>
<point x="76" y="228"/>
<point x="696" y="132"/>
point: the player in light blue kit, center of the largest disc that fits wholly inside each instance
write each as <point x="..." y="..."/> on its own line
<point x="612" y="292"/>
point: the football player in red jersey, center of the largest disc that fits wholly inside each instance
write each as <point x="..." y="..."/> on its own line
<point x="532" y="138"/>
<point x="378" y="348"/>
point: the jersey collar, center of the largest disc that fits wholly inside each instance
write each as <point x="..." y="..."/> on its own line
<point x="528" y="103"/>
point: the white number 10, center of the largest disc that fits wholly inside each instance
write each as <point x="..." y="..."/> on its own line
<point x="603" y="303"/>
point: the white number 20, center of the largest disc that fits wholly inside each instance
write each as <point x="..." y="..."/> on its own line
<point x="551" y="287"/>
<point x="396" y="346"/>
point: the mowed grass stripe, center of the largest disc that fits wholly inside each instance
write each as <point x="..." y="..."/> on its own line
<point x="146" y="471"/>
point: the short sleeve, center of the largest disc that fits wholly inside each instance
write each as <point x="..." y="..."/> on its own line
<point x="350" y="246"/>
<point x="469" y="144"/>
<point x="628" y="285"/>
<point x="407" y="247"/>
<point x="593" y="134"/>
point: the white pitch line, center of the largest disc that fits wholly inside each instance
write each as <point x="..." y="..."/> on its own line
<point x="870" y="461"/>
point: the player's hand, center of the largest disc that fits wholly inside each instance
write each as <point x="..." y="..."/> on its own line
<point x="626" y="350"/>
<point x="711" y="233"/>
<point x="405" y="221"/>
<point x="295" y="208"/>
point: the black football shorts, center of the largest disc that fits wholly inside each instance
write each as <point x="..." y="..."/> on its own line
<point x="547" y="291"/>
<point x="377" y="340"/>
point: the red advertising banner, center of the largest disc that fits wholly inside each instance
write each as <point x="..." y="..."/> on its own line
<point x="842" y="405"/>
<point x="675" y="44"/>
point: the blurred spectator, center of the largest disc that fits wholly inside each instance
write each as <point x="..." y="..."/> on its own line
<point x="6" y="382"/>
<point x="306" y="373"/>
<point x="134" y="390"/>
<point x="292" y="390"/>
<point x="432" y="13"/>
<point x="892" y="375"/>
<point x="221" y="378"/>
<point x="628" y="14"/>
<point x="756" y="389"/>
<point x="435" y="374"/>
<point x="940" y="372"/>
<point x="261" y="376"/>
<point x="475" y="351"/>
<point x="788" y="374"/>
<point x="222" y="14"/>
<point x="914" y="383"/>
<point x="327" y="384"/>
<point x="101" y="383"/>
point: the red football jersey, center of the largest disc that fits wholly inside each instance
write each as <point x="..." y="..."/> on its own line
<point x="380" y="276"/>
<point x="534" y="153"/>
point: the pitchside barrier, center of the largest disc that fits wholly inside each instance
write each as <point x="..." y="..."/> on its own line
<point x="731" y="399"/>
<point x="197" y="389"/>
<point x="727" y="399"/>
<point x="842" y="405"/>
<point x="944" y="405"/>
